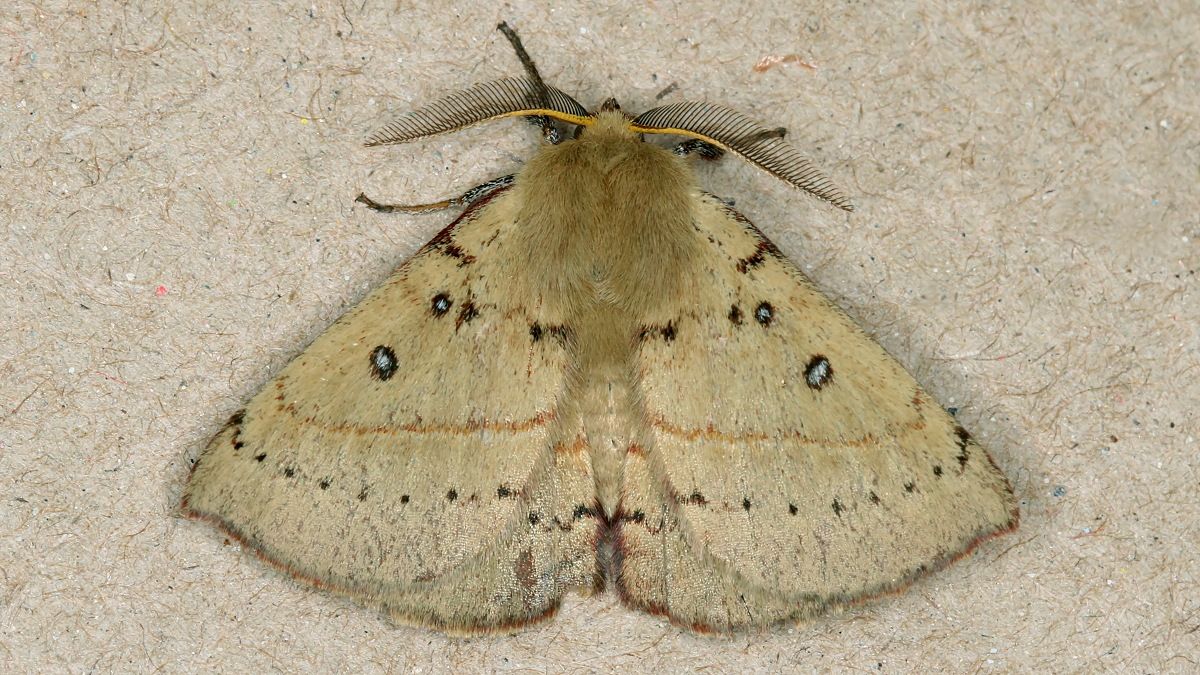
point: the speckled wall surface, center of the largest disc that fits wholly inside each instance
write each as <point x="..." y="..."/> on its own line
<point x="176" y="196"/>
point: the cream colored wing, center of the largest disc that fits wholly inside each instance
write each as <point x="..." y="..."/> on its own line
<point x="789" y="463"/>
<point x="412" y="456"/>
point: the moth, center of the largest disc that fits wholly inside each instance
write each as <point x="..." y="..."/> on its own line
<point x="600" y="376"/>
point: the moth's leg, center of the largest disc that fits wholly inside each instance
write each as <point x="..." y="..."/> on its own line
<point x="711" y="153"/>
<point x="702" y="149"/>
<point x="465" y="199"/>
<point x="708" y="151"/>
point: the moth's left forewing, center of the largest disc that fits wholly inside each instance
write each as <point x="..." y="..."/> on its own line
<point x="797" y="463"/>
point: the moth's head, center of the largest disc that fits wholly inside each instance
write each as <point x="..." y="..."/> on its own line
<point x="715" y="125"/>
<point x="609" y="120"/>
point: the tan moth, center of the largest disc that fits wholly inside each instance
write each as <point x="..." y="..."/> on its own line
<point x="599" y="376"/>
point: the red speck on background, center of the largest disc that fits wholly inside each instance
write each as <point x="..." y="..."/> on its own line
<point x="767" y="62"/>
<point x="160" y="290"/>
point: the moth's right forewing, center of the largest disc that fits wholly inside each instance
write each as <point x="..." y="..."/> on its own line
<point x="412" y="455"/>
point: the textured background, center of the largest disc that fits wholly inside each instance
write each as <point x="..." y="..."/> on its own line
<point x="176" y="187"/>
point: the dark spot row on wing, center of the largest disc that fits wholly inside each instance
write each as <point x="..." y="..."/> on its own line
<point x="580" y="512"/>
<point x="634" y="517"/>
<point x="326" y="482"/>
<point x="235" y="424"/>
<point x="667" y="332"/>
<point x="440" y="304"/>
<point x="735" y="315"/>
<point x="560" y="333"/>
<point x="756" y="259"/>
<point x="453" y="250"/>
<point x="764" y="313"/>
<point x="964" y="455"/>
<point x="837" y="505"/>
<point x="467" y="314"/>
<point x="444" y="242"/>
<point x="750" y="262"/>
<point x="818" y="372"/>
<point x="383" y="363"/>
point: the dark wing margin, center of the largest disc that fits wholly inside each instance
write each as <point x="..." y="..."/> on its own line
<point x="507" y="97"/>
<point x="737" y="133"/>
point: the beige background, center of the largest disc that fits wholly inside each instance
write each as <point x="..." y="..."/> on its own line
<point x="176" y="187"/>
